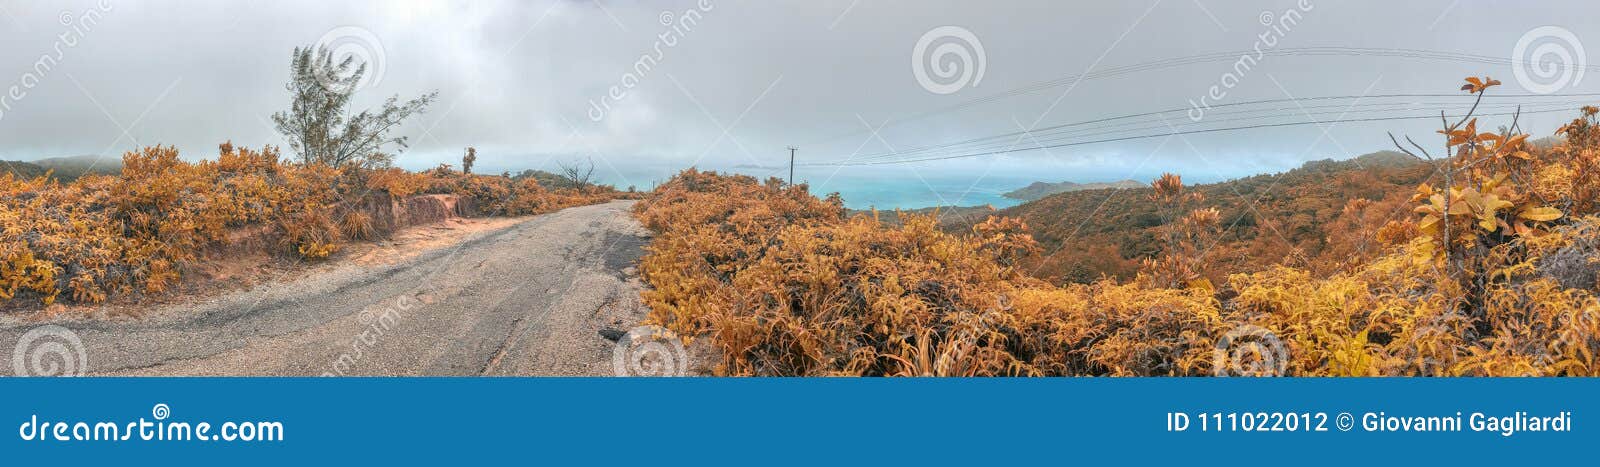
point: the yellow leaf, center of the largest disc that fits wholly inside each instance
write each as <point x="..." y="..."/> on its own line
<point x="1492" y="203"/>
<point x="1421" y="252"/>
<point x="1429" y="224"/>
<point x="1541" y="214"/>
<point x="1488" y="223"/>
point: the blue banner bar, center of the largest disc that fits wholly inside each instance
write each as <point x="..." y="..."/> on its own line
<point x="1291" y="421"/>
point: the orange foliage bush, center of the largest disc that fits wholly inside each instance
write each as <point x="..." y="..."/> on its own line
<point x="107" y="235"/>
<point x="1297" y="218"/>
<point x="781" y="284"/>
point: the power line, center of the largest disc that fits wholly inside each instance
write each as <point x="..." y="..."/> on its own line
<point x="1092" y="132"/>
<point x="1053" y="130"/>
<point x="1178" y="133"/>
<point x="1527" y="109"/>
<point x="1238" y="56"/>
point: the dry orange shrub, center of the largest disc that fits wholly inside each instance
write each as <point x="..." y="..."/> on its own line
<point x="100" y="236"/>
<point x="1187" y="240"/>
<point x="782" y="285"/>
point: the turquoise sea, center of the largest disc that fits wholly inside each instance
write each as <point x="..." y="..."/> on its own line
<point x="868" y="188"/>
<point x="915" y="191"/>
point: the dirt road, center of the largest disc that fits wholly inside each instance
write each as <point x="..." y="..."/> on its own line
<point x="529" y="299"/>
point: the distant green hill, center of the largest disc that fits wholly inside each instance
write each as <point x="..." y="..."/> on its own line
<point x="22" y="169"/>
<point x="1089" y="233"/>
<point x="544" y="178"/>
<point x="1380" y="159"/>
<point x="64" y="168"/>
<point x="1042" y="189"/>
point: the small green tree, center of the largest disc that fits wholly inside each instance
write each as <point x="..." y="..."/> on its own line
<point x="318" y="124"/>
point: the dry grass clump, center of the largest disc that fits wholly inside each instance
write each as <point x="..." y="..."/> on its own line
<point x="101" y="236"/>
<point x="1499" y="282"/>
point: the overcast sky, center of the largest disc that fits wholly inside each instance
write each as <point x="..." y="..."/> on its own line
<point x="521" y="80"/>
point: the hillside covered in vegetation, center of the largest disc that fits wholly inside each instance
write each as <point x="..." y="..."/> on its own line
<point x="62" y="168"/>
<point x="1487" y="269"/>
<point x="1264" y="219"/>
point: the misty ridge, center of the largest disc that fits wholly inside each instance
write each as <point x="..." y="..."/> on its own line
<point x="63" y="168"/>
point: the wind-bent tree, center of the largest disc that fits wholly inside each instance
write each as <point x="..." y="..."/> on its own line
<point x="318" y="124"/>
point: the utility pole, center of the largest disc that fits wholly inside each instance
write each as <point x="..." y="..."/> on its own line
<point x="792" y="149"/>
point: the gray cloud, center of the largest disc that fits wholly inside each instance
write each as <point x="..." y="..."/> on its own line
<point x="517" y="79"/>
